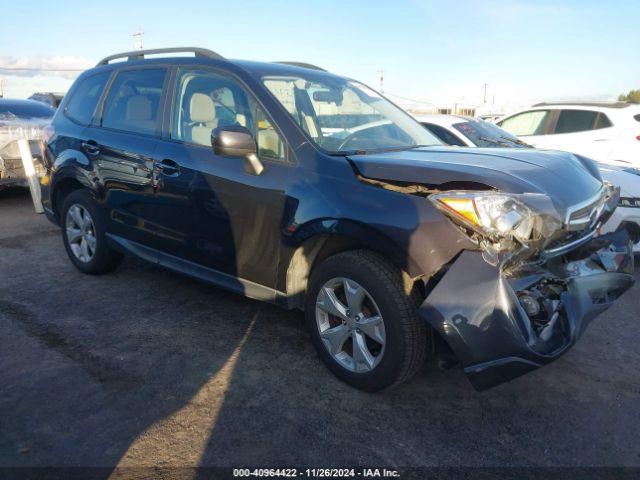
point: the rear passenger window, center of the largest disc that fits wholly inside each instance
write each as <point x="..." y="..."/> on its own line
<point x="84" y="99"/>
<point x="570" y="121"/>
<point x="133" y="102"/>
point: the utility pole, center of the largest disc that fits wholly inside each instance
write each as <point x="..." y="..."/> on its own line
<point x="138" y="39"/>
<point x="381" y="72"/>
<point x="3" y="82"/>
<point x="484" y="97"/>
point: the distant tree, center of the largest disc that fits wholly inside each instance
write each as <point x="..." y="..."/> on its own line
<point x="632" y="97"/>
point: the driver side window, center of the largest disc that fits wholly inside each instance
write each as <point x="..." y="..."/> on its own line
<point x="206" y="100"/>
<point x="526" y="123"/>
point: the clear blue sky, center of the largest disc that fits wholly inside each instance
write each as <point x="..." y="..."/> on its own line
<point x="534" y="48"/>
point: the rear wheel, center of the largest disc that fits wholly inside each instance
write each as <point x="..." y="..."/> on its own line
<point x="361" y="312"/>
<point x="83" y="234"/>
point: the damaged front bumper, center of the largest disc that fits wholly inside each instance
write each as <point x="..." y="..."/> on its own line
<point x="510" y="325"/>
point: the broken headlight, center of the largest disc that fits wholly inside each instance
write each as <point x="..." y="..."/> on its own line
<point x="496" y="217"/>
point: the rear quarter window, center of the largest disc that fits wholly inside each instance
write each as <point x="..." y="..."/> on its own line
<point x="84" y="99"/>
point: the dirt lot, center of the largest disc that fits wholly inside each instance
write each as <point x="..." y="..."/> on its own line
<point x="146" y="367"/>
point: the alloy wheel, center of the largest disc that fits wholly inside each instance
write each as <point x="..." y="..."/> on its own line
<point x="80" y="233"/>
<point x="350" y="325"/>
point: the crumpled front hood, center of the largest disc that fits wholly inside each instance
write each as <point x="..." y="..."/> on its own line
<point x="566" y="178"/>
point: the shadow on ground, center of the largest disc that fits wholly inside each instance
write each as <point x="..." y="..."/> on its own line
<point x="145" y="367"/>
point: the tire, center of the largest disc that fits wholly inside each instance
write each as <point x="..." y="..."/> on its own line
<point x="388" y="290"/>
<point x="102" y="259"/>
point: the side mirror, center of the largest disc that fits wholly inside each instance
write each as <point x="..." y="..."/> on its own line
<point x="237" y="141"/>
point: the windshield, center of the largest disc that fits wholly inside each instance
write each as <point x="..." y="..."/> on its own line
<point x="342" y="116"/>
<point x="485" y="134"/>
<point x="9" y="110"/>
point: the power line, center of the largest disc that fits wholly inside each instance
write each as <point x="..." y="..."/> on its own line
<point x="32" y="69"/>
<point x="389" y="94"/>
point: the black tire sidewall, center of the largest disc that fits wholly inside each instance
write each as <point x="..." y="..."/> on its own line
<point x="387" y="371"/>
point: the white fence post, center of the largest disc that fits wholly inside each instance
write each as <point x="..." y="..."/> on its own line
<point x="30" y="173"/>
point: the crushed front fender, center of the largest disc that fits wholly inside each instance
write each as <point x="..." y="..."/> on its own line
<point x="481" y="313"/>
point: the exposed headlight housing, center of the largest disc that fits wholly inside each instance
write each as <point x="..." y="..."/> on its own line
<point x="495" y="216"/>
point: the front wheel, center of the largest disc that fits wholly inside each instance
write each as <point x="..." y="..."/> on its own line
<point x="361" y="312"/>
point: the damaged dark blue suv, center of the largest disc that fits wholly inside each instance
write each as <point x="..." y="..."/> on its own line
<point x="286" y="183"/>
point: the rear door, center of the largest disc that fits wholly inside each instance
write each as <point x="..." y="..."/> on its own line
<point x="586" y="132"/>
<point x="122" y="141"/>
<point x="214" y="213"/>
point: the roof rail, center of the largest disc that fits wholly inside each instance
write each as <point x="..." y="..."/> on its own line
<point x="584" y="104"/>
<point x="303" y="65"/>
<point x="140" y="54"/>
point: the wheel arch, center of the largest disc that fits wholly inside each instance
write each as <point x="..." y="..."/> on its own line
<point x="72" y="170"/>
<point x="61" y="190"/>
<point x="325" y="238"/>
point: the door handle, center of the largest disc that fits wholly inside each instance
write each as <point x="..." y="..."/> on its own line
<point x="168" y="168"/>
<point x="91" y="147"/>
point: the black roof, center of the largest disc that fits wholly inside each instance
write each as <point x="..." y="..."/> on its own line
<point x="26" y="108"/>
<point x="19" y="102"/>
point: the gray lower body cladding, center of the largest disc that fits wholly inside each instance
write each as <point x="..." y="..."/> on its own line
<point x="490" y="332"/>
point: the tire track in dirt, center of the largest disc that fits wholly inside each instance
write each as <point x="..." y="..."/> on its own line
<point x="102" y="369"/>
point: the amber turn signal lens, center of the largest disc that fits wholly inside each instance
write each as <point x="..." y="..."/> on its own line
<point x="463" y="207"/>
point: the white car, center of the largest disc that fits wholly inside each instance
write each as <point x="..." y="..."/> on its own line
<point x="606" y="132"/>
<point x="627" y="215"/>
<point x="468" y="132"/>
<point x="471" y="132"/>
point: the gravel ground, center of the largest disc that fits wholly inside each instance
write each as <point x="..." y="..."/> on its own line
<point x="146" y="367"/>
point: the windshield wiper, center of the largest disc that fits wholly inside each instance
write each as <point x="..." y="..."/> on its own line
<point x="517" y="141"/>
<point x="345" y="153"/>
<point x="494" y="141"/>
<point x="398" y="149"/>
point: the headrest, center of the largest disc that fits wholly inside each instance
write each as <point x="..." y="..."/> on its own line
<point x="138" y="108"/>
<point x="201" y="108"/>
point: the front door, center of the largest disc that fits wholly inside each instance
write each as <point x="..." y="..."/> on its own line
<point x="214" y="213"/>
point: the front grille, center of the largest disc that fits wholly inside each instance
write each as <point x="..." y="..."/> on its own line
<point x="583" y="216"/>
<point x="568" y="239"/>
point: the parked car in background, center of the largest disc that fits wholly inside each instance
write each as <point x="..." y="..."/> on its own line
<point x="491" y="117"/>
<point x="52" y="99"/>
<point x="606" y="132"/>
<point x="289" y="184"/>
<point x="627" y="215"/>
<point x="20" y="119"/>
<point x="468" y="132"/>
